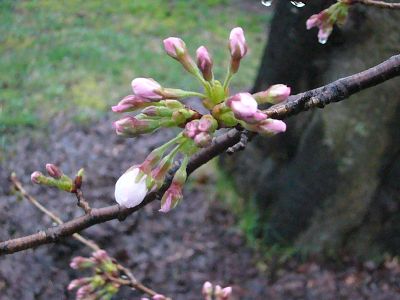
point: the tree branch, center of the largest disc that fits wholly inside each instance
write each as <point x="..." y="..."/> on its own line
<point x="379" y="4"/>
<point x="319" y="97"/>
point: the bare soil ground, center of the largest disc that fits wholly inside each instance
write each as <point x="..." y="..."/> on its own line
<point x="173" y="253"/>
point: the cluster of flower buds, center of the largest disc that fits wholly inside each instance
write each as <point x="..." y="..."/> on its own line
<point x="324" y="21"/>
<point x="165" y="113"/>
<point x="58" y="179"/>
<point x="105" y="282"/>
<point x="217" y="293"/>
<point x="201" y="131"/>
<point x="161" y="107"/>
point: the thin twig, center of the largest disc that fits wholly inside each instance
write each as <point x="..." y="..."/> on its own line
<point x="82" y="203"/>
<point x="18" y="186"/>
<point x="132" y="282"/>
<point x="379" y="4"/>
<point x="333" y="92"/>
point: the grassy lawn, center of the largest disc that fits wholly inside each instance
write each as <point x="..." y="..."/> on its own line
<point x="81" y="55"/>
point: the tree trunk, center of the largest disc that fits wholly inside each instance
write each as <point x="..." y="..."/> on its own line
<point x="331" y="183"/>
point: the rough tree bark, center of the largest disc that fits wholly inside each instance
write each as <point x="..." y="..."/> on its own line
<point x="331" y="183"/>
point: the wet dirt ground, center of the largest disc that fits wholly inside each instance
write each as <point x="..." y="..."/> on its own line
<point x="173" y="253"/>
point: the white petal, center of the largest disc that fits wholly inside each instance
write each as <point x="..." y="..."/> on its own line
<point x="128" y="193"/>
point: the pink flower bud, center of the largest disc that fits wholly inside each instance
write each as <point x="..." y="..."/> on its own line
<point x="313" y="21"/>
<point x="202" y="139"/>
<point x="80" y="262"/>
<point x="131" y="103"/>
<point x="100" y="255"/>
<point x="207" y="289"/>
<point x="226" y="293"/>
<point x="36" y="177"/>
<point x="146" y="88"/>
<point x="131" y="126"/>
<point x="129" y="192"/>
<point x="207" y="123"/>
<point x="174" y="47"/>
<point x="77" y="283"/>
<point x="237" y="47"/>
<point x="174" y="193"/>
<point x="237" y="43"/>
<point x="84" y="292"/>
<point x="244" y="107"/>
<point x="159" y="297"/>
<point x="274" y="94"/>
<point x="171" y="197"/>
<point x="267" y="127"/>
<point x="191" y="129"/>
<point x="204" y="62"/>
<point x="54" y="171"/>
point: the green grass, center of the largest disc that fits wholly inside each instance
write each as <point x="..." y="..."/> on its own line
<point x="81" y="55"/>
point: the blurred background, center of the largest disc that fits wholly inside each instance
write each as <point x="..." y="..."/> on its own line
<point x="309" y="214"/>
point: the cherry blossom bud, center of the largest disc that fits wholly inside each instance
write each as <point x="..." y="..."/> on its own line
<point x="237" y="47"/>
<point x="171" y="198"/>
<point x="159" y="297"/>
<point x="129" y="192"/>
<point x="204" y="62"/>
<point x="80" y="262"/>
<point x="207" y="123"/>
<point x="37" y="177"/>
<point x="100" y="255"/>
<point x="191" y="129"/>
<point x="267" y="127"/>
<point x="226" y="293"/>
<point x="175" y="47"/>
<point x="54" y="171"/>
<point x="336" y="13"/>
<point x="313" y="21"/>
<point x="245" y="108"/>
<point x="133" y="126"/>
<point x="131" y="103"/>
<point x="203" y="139"/>
<point x="174" y="193"/>
<point x="146" y="88"/>
<point x="242" y="105"/>
<point x="207" y="289"/>
<point x="78" y="282"/>
<point x="274" y="94"/>
<point x="84" y="292"/>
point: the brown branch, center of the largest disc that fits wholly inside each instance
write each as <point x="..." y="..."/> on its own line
<point x="82" y="203"/>
<point x="333" y="92"/>
<point x="132" y="281"/>
<point x="379" y="4"/>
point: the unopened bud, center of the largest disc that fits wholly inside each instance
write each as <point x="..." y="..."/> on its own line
<point x="267" y="127"/>
<point x="146" y="88"/>
<point x="80" y="262"/>
<point x="245" y="108"/>
<point x="204" y="62"/>
<point x="131" y="103"/>
<point x="176" y="48"/>
<point x="203" y="139"/>
<point x="133" y="126"/>
<point x="100" y="255"/>
<point x="207" y="289"/>
<point x="53" y="171"/>
<point x="274" y="94"/>
<point x="237" y="47"/>
<point x="37" y="177"/>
